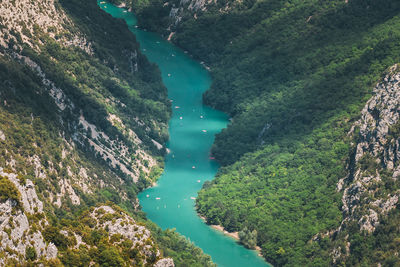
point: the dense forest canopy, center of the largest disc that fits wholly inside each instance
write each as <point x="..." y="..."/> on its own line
<point x="294" y="76"/>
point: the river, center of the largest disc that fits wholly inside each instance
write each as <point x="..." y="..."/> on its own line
<point x="192" y="127"/>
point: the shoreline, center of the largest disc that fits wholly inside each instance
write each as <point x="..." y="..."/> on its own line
<point x="234" y="235"/>
<point x="235" y="259"/>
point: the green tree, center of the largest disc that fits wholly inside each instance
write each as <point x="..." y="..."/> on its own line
<point x="248" y="238"/>
<point x="30" y="254"/>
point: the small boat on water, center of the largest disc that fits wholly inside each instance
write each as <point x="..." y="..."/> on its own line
<point x="204" y="131"/>
<point x="193" y="167"/>
<point x="177" y="107"/>
<point x="158" y="198"/>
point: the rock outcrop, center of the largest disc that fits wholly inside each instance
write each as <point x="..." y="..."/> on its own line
<point x="61" y="157"/>
<point x="34" y="24"/>
<point x="118" y="223"/>
<point x="27" y="18"/>
<point x="374" y="162"/>
<point x="22" y="222"/>
<point x="20" y="225"/>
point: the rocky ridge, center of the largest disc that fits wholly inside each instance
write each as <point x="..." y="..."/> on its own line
<point x="20" y="226"/>
<point x="118" y="223"/>
<point x="373" y="165"/>
<point x="185" y="7"/>
<point x="21" y="20"/>
<point x="68" y="161"/>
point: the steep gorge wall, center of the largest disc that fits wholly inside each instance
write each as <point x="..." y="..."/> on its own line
<point x="81" y="123"/>
<point x="371" y="188"/>
<point x="29" y="25"/>
<point x="26" y="232"/>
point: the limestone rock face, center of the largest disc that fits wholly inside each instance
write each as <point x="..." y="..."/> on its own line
<point x="2" y="136"/>
<point x="24" y="17"/>
<point x="26" y="24"/>
<point x="165" y="263"/>
<point x="16" y="233"/>
<point x="374" y="142"/>
<point x="186" y="8"/>
<point x="376" y="153"/>
<point x="29" y="198"/>
<point x="46" y="165"/>
<point x="117" y="222"/>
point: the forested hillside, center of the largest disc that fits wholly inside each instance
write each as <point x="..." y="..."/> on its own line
<point x="294" y="76"/>
<point x="83" y="126"/>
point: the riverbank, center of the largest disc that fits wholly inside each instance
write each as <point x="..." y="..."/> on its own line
<point x="234" y="235"/>
<point x="192" y="128"/>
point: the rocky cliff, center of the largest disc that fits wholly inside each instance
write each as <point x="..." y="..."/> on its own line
<point x="376" y="154"/>
<point x="370" y="190"/>
<point x="28" y="31"/>
<point x="26" y="233"/>
<point x="21" y="222"/>
<point x="83" y="121"/>
<point x="165" y="17"/>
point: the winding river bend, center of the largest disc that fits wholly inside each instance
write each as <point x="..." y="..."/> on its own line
<point x="170" y="204"/>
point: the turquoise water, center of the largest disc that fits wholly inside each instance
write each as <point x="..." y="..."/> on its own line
<point x="170" y="204"/>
